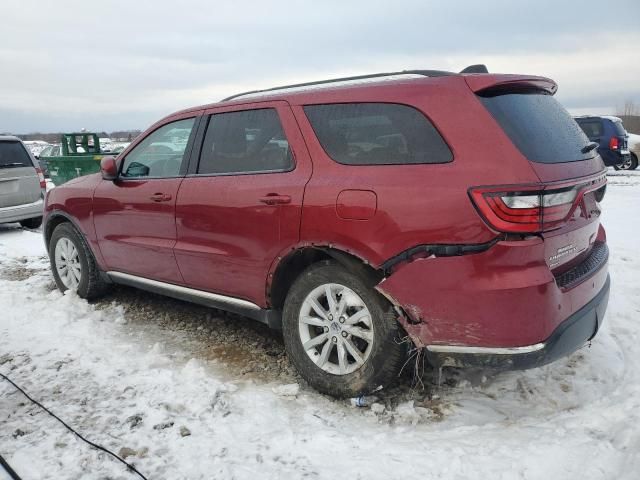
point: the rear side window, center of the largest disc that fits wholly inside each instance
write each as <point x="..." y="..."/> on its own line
<point x="244" y="142"/>
<point x="539" y="126"/>
<point x="377" y="134"/>
<point x="592" y="128"/>
<point x="13" y="154"/>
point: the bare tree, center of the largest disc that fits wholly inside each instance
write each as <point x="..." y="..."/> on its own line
<point x="630" y="115"/>
<point x="629" y="109"/>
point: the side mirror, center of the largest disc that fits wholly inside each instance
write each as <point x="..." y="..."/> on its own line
<point x="109" y="168"/>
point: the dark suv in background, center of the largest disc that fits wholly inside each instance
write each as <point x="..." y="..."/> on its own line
<point x="459" y="213"/>
<point x="611" y="137"/>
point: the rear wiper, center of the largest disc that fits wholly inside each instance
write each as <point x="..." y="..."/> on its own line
<point x="589" y="146"/>
<point x="13" y="164"/>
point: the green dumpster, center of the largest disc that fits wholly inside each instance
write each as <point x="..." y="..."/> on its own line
<point x="80" y="155"/>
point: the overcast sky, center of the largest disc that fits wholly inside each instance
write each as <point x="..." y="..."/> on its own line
<point x="107" y="65"/>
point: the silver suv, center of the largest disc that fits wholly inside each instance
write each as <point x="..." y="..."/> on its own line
<point x="22" y="185"/>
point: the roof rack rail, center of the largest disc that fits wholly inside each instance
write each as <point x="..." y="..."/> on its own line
<point x="426" y="73"/>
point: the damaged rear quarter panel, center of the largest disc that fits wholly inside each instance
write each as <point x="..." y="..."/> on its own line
<point x="505" y="296"/>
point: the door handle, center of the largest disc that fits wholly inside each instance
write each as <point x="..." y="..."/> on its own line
<point x="275" y="199"/>
<point x="160" y="197"/>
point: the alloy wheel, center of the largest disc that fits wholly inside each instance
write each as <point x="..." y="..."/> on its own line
<point x="626" y="165"/>
<point x="68" y="263"/>
<point x="336" y="329"/>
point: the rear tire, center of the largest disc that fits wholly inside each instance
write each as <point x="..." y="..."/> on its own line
<point x="356" y="322"/>
<point x="31" y="222"/>
<point x="73" y="265"/>
<point x="630" y="164"/>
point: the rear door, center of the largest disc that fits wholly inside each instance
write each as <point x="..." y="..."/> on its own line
<point x="134" y="215"/>
<point x="19" y="182"/>
<point x="242" y="203"/>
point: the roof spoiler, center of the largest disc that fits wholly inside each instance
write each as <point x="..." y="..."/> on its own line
<point x="477" y="68"/>
<point x="494" y="84"/>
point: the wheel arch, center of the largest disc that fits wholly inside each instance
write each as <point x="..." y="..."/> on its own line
<point x="58" y="217"/>
<point x="53" y="220"/>
<point x="288" y="267"/>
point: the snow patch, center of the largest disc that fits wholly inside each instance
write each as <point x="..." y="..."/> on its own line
<point x="290" y="390"/>
<point x="182" y="415"/>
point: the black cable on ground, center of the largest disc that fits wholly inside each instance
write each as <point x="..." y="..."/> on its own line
<point x="7" y="468"/>
<point x="89" y="442"/>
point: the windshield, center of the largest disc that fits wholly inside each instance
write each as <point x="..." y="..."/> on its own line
<point x="13" y="154"/>
<point x="539" y="126"/>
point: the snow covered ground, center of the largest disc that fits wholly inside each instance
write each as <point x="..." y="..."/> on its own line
<point x="185" y="393"/>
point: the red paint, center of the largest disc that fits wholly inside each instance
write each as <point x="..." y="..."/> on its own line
<point x="356" y="204"/>
<point x="506" y="296"/>
<point x="227" y="234"/>
<point x="136" y="234"/>
<point x="231" y="228"/>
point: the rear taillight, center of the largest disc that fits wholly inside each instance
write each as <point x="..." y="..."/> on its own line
<point x="530" y="208"/>
<point x="614" y="143"/>
<point x="43" y="182"/>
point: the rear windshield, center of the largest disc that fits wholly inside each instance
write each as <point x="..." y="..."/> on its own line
<point x="592" y="128"/>
<point x="13" y="154"/>
<point x="377" y="134"/>
<point x="539" y="126"/>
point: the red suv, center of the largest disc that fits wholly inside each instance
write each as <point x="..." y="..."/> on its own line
<point x="457" y="211"/>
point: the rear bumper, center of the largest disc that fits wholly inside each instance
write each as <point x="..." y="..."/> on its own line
<point x="611" y="157"/>
<point x="503" y="298"/>
<point x="21" y="212"/>
<point x="570" y="335"/>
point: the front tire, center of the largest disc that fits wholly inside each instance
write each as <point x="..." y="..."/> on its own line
<point x="73" y="265"/>
<point x="339" y="333"/>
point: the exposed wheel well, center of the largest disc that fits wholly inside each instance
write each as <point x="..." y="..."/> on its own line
<point x="51" y="225"/>
<point x="291" y="266"/>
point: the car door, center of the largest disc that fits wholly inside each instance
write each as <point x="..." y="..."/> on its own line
<point x="134" y="215"/>
<point x="242" y="203"/>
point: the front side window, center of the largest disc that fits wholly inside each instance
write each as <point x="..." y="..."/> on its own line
<point x="377" y="134"/>
<point x="244" y="142"/>
<point x="161" y="153"/>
